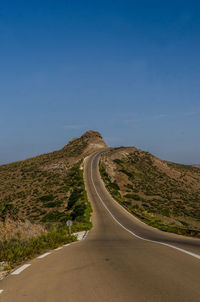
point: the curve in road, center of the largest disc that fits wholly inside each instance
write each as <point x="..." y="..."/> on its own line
<point x="133" y="225"/>
<point x="111" y="264"/>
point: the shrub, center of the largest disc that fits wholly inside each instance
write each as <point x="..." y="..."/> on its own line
<point x="46" y="198"/>
<point x="134" y="196"/>
<point x="53" y="204"/>
<point x="8" y="210"/>
<point x="130" y="175"/>
<point x="76" y="194"/>
<point x="55" y="216"/>
<point x="118" y="161"/>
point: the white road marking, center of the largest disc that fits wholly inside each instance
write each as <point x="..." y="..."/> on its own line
<point x="1" y="291"/>
<point x="58" y="248"/>
<point x="44" y="255"/>
<point x="20" y="269"/>
<point x="66" y="244"/>
<point x="80" y="235"/>
<point x="153" y="241"/>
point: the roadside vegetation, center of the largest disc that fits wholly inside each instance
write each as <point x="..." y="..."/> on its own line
<point x="38" y="196"/>
<point x="21" y="240"/>
<point x="164" y="195"/>
<point x="15" y="251"/>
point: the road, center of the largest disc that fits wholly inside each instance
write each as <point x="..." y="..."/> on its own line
<point x="114" y="263"/>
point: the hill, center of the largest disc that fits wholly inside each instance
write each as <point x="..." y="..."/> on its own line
<point x="163" y="194"/>
<point x="38" y="196"/>
<point x="39" y="188"/>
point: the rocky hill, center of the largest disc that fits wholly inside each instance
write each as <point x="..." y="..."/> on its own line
<point x="163" y="192"/>
<point x="39" y="188"/>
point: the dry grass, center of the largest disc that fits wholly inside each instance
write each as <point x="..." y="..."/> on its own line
<point x="19" y="230"/>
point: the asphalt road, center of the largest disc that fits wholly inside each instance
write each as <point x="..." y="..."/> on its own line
<point x="112" y="263"/>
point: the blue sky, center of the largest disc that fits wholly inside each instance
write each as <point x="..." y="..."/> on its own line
<point x="129" y="69"/>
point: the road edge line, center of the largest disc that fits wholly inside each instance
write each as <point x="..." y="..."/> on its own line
<point x="20" y="269"/>
<point x="139" y="237"/>
<point x="43" y="255"/>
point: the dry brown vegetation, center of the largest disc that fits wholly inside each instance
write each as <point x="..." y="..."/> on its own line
<point x="38" y="196"/>
<point x="34" y="188"/>
<point x="157" y="189"/>
<point x="10" y="229"/>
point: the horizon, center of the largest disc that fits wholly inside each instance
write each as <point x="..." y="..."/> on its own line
<point x="127" y="70"/>
<point x="79" y="137"/>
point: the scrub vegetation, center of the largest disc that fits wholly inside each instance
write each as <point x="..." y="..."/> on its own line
<point x="15" y="251"/>
<point x="39" y="195"/>
<point x="163" y="194"/>
<point x="21" y="240"/>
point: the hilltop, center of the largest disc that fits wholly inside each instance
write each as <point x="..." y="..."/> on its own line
<point x="158" y="191"/>
<point x="39" y="188"/>
<point x="45" y="188"/>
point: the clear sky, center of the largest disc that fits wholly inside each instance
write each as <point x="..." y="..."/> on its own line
<point x="129" y="69"/>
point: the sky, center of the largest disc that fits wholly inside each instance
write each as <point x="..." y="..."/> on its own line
<point x="128" y="69"/>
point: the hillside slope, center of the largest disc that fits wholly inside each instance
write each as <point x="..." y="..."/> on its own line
<point x="197" y="166"/>
<point x="161" y="191"/>
<point x="39" y="188"/>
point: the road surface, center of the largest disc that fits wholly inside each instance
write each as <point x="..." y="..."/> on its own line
<point x="113" y="263"/>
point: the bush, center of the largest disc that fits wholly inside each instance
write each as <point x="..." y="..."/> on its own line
<point x="53" y="204"/>
<point x="8" y="210"/>
<point x="134" y="196"/>
<point x="46" y="198"/>
<point x="130" y="175"/>
<point x="118" y="161"/>
<point x="78" y="211"/>
<point x="76" y="194"/>
<point x="55" y="216"/>
<point x="114" y="186"/>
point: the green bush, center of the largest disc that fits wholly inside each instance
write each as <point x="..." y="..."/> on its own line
<point x="8" y="210"/>
<point x="118" y="161"/>
<point x="53" y="204"/>
<point x="114" y="185"/>
<point x="134" y="196"/>
<point x="46" y="198"/>
<point x="55" y="216"/>
<point x="130" y="175"/>
<point x="76" y="194"/>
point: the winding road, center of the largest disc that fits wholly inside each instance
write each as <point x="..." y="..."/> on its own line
<point x="120" y="260"/>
